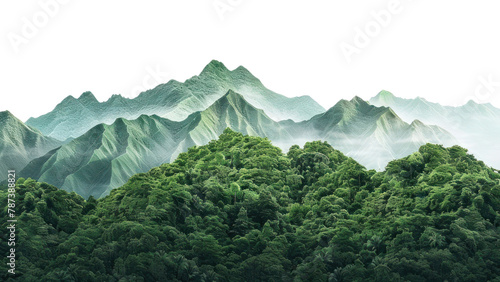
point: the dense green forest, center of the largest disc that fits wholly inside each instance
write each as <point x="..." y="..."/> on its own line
<point x="238" y="209"/>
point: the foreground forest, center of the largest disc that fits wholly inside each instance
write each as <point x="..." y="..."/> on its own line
<point x="238" y="209"/>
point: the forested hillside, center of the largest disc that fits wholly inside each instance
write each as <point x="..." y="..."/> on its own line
<point x="238" y="209"/>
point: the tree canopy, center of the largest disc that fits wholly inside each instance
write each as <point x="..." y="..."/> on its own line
<point x="238" y="209"/>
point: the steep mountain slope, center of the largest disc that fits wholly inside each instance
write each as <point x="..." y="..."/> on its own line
<point x="233" y="111"/>
<point x="173" y="100"/>
<point x="371" y="135"/>
<point x="107" y="155"/>
<point x="19" y="143"/>
<point x="476" y="126"/>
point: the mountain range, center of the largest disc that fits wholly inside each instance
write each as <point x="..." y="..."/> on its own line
<point x="476" y="126"/>
<point x="106" y="156"/>
<point x="173" y="100"/>
<point x="92" y="147"/>
<point x="372" y="135"/>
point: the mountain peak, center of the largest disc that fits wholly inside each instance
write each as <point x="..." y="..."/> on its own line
<point x="384" y="96"/>
<point x="7" y="117"/>
<point x="11" y="123"/>
<point x="87" y="96"/>
<point x="358" y="101"/>
<point x="5" y="114"/>
<point x="417" y="123"/>
<point x="355" y="104"/>
<point x="115" y="97"/>
<point x="69" y="99"/>
<point x="341" y="104"/>
<point x="242" y="69"/>
<point x="231" y="93"/>
<point x="233" y="98"/>
<point x="214" y="67"/>
<point x="471" y="103"/>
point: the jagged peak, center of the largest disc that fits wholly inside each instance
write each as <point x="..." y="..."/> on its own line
<point x="115" y="97"/>
<point x="87" y="96"/>
<point x="232" y="99"/>
<point x="342" y="103"/>
<point x="343" y="106"/>
<point x="357" y="100"/>
<point x="354" y="103"/>
<point x="214" y="67"/>
<point x="68" y="99"/>
<point x="231" y="95"/>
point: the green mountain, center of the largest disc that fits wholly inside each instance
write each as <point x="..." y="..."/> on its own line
<point x="173" y="100"/>
<point x="19" y="144"/>
<point x="371" y="135"/>
<point x="238" y="209"/>
<point x="476" y="126"/>
<point x="233" y="111"/>
<point x="107" y="155"/>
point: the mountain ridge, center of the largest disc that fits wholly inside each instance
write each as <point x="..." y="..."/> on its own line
<point x="172" y="100"/>
<point x="110" y="154"/>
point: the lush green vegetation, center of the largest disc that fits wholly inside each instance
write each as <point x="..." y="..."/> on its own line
<point x="238" y="209"/>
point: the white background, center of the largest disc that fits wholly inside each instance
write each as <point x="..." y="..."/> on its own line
<point x="438" y="50"/>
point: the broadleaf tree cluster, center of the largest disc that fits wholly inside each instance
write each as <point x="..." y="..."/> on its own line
<point x="238" y="209"/>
